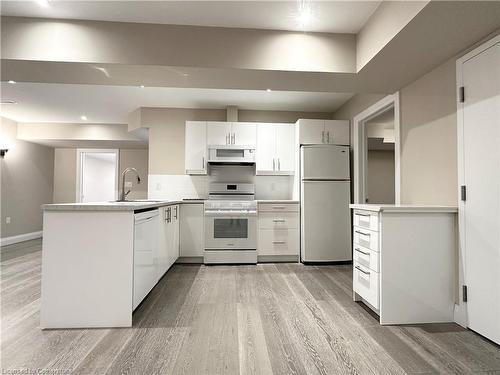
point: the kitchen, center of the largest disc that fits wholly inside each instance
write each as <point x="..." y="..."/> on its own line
<point x="257" y="235"/>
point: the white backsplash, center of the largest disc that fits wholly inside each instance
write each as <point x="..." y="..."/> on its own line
<point x="177" y="187"/>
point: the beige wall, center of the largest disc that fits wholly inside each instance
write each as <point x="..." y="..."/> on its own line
<point x="380" y="176"/>
<point x="428" y="136"/>
<point x="65" y="173"/>
<point x="137" y="159"/>
<point x="27" y="177"/>
<point x="167" y="127"/>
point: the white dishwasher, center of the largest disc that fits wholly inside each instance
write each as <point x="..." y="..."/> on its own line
<point x="145" y="254"/>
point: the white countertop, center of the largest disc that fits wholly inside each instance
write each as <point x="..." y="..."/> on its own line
<point x="108" y="206"/>
<point x="403" y="208"/>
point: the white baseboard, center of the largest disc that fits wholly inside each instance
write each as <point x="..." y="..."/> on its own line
<point x="20" y="238"/>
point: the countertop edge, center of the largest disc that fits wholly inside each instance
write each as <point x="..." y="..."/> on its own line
<point x="403" y="208"/>
<point x="68" y="207"/>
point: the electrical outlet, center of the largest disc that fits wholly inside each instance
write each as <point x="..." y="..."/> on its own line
<point x="7" y="220"/>
<point x="128" y="184"/>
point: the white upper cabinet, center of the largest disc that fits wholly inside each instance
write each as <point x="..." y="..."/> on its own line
<point x="196" y="147"/>
<point x="231" y="133"/>
<point x="244" y="133"/>
<point x="275" y="149"/>
<point x="266" y="148"/>
<point x="218" y="133"/>
<point x="337" y="132"/>
<point x="313" y="132"/>
<point x="285" y="150"/>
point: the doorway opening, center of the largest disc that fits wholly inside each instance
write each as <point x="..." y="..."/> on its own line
<point x="97" y="175"/>
<point x="377" y="152"/>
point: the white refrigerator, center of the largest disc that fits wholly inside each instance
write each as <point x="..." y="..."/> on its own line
<point x="325" y="195"/>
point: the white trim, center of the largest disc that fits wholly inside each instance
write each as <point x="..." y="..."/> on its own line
<point x="79" y="152"/>
<point x="460" y="313"/>
<point x="20" y="238"/>
<point x="360" y="152"/>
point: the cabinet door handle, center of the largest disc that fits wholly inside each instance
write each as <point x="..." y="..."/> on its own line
<point x="203" y="162"/>
<point x="328" y="137"/>
<point x="358" y="214"/>
<point x="278" y="207"/>
<point x="359" y="269"/>
<point x="279" y="220"/>
<point x="279" y="165"/>
<point x="227" y="138"/>
<point x="362" y="252"/>
<point x="279" y="242"/>
<point x="363" y="234"/>
<point x="323" y="136"/>
<point x="274" y="164"/>
<point x="166" y="215"/>
<point x="234" y="138"/>
<point x="175" y="210"/>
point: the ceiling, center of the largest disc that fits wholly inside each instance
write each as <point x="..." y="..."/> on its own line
<point x="325" y="16"/>
<point x="42" y="102"/>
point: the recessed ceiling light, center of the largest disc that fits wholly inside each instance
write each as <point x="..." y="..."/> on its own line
<point x="269" y="90"/>
<point x="304" y="15"/>
<point x="12" y="82"/>
<point x="8" y="101"/>
<point x="43" y="3"/>
<point x="83" y="117"/>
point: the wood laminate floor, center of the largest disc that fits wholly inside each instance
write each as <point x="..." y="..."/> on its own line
<point x="264" y="319"/>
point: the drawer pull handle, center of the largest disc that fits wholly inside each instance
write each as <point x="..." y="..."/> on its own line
<point x="358" y="214"/>
<point x="279" y="242"/>
<point x="278" y="207"/>
<point x="362" y="252"/>
<point x="279" y="220"/>
<point x="363" y="234"/>
<point x="365" y="272"/>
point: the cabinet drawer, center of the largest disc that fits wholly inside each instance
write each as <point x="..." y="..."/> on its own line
<point x="278" y="207"/>
<point x="366" y="219"/>
<point x="366" y="238"/>
<point x="366" y="284"/>
<point x="278" y="242"/>
<point x="277" y="220"/>
<point x="366" y="257"/>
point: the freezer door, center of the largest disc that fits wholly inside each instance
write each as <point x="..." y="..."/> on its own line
<point x="325" y="221"/>
<point x="327" y="162"/>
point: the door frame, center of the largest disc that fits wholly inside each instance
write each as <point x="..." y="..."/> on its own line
<point x="460" y="313"/>
<point x="360" y="154"/>
<point x="79" y="155"/>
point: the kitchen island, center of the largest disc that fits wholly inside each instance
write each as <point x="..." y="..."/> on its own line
<point x="91" y="270"/>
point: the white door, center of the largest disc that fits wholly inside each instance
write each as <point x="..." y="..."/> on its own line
<point x="244" y="134"/>
<point x="328" y="162"/>
<point x="196" y="147"/>
<point x="325" y="221"/>
<point x="98" y="171"/>
<point x="311" y="132"/>
<point x="285" y="150"/>
<point x="337" y="132"/>
<point x="218" y="133"/>
<point x="265" y="150"/>
<point x="481" y="134"/>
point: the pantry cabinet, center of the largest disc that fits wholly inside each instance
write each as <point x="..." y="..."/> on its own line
<point x="312" y="131"/>
<point x="196" y="147"/>
<point x="275" y="149"/>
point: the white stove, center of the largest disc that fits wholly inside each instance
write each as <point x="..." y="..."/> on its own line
<point x="231" y="224"/>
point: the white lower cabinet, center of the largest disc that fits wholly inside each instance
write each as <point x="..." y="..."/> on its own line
<point x="191" y="232"/>
<point x="404" y="262"/>
<point x="168" y="239"/>
<point x="278" y="232"/>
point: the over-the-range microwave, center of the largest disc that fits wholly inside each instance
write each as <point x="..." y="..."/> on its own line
<point x="231" y="154"/>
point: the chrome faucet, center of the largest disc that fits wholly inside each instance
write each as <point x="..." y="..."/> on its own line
<point x="123" y="195"/>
